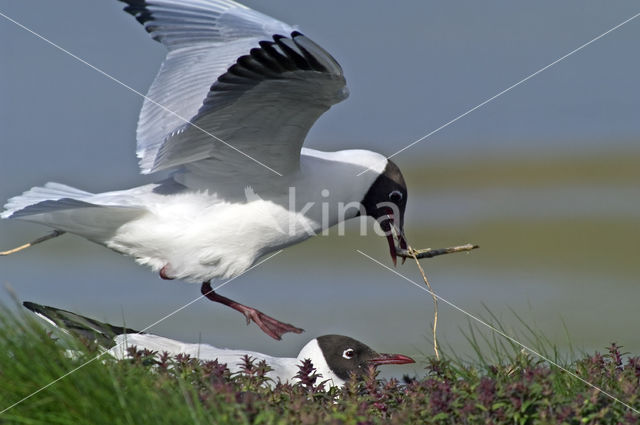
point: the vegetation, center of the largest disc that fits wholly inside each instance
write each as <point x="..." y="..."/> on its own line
<point x="512" y="388"/>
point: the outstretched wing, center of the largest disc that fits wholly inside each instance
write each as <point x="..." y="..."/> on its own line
<point x="237" y="89"/>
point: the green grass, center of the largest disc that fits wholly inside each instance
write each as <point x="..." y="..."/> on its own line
<point x="102" y="391"/>
<point x="500" y="385"/>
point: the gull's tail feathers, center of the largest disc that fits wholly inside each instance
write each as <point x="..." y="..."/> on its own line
<point x="50" y="197"/>
<point x="84" y="327"/>
<point x="62" y="207"/>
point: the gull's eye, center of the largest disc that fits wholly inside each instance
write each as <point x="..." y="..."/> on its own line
<point x="395" y="196"/>
<point x="348" y="354"/>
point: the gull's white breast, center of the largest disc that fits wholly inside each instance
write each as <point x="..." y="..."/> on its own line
<point x="199" y="237"/>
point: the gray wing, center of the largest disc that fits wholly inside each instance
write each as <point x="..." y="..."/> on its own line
<point x="237" y="89"/>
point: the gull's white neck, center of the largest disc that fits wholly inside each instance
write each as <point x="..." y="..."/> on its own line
<point x="337" y="173"/>
<point x="330" y="181"/>
<point x="313" y="352"/>
<point x="358" y="159"/>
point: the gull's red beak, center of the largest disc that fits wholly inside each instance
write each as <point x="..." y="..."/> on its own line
<point x="390" y="359"/>
<point x="392" y="248"/>
<point x="403" y="243"/>
<point x="393" y="232"/>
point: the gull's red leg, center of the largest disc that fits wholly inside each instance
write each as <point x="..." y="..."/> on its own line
<point x="163" y="273"/>
<point x="272" y="327"/>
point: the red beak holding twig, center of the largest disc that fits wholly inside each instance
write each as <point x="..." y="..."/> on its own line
<point x="393" y="232"/>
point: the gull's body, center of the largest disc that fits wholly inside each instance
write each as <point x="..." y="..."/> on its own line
<point x="284" y="368"/>
<point x="228" y="112"/>
<point x="204" y="231"/>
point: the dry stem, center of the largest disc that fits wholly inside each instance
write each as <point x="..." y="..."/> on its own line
<point x="41" y="239"/>
<point x="414" y="254"/>
<point x="430" y="253"/>
<point x="418" y="254"/>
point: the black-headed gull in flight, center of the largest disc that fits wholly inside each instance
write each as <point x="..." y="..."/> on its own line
<point x="335" y="357"/>
<point x="228" y="112"/>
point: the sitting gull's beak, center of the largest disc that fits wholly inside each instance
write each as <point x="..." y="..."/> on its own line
<point x="383" y="358"/>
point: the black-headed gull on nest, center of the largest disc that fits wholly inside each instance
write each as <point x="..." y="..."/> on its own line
<point x="335" y="357"/>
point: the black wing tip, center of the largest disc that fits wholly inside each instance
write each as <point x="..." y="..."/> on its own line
<point x="269" y="61"/>
<point x="32" y="306"/>
<point x="138" y="9"/>
<point x="53" y="314"/>
<point x="277" y="37"/>
<point x="298" y="57"/>
<point x="135" y="4"/>
<point x="45" y="310"/>
<point x="48" y="312"/>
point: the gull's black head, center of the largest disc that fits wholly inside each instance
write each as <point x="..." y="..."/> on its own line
<point x="345" y="355"/>
<point x="386" y="202"/>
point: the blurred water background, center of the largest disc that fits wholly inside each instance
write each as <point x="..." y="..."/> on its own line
<point x="544" y="178"/>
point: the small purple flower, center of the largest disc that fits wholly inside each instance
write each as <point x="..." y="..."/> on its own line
<point x="486" y="391"/>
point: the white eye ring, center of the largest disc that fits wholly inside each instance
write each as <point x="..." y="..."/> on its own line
<point x="348" y="353"/>
<point x="394" y="194"/>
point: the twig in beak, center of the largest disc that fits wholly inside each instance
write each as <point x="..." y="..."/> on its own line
<point x="430" y="253"/>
